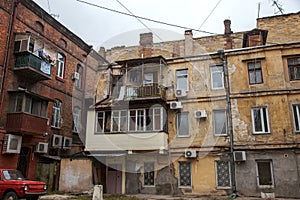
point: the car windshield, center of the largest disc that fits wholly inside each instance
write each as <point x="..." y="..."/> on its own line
<point x="13" y="175"/>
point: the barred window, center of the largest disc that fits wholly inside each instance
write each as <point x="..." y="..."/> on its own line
<point x="223" y="174"/>
<point x="149" y="174"/>
<point x="185" y="174"/>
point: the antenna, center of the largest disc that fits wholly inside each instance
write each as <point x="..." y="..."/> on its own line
<point x="53" y="15"/>
<point x="258" y="9"/>
<point x="279" y="6"/>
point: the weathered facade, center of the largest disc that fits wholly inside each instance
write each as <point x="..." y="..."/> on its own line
<point x="43" y="68"/>
<point x="228" y="109"/>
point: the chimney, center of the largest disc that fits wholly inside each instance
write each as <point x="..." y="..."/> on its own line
<point x="227" y="24"/>
<point x="146" y="39"/>
<point x="146" y="44"/>
<point x="188" y="42"/>
<point x="102" y="52"/>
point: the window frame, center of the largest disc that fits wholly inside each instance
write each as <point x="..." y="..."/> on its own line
<point x="179" y="175"/>
<point x="296" y="122"/>
<point x="229" y="174"/>
<point x="184" y="77"/>
<point x="118" y="123"/>
<point x="271" y="174"/>
<point x="177" y="124"/>
<point x="294" y="66"/>
<point x="76" y="120"/>
<point x="261" y="108"/>
<point x="56" y="114"/>
<point x="78" y="82"/>
<point x="214" y="122"/>
<point x="103" y="122"/>
<point x="61" y="61"/>
<point x="212" y="72"/>
<point x="153" y="163"/>
<point x="254" y="71"/>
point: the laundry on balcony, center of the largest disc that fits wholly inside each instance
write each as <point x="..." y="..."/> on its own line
<point x="46" y="57"/>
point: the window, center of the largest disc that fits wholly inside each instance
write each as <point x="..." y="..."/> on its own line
<point x="255" y="72"/>
<point x="39" y="26"/>
<point x="78" y="82"/>
<point x="264" y="173"/>
<point x="137" y="120"/>
<point x="118" y="121"/>
<point x="183" y="125"/>
<point x="296" y="115"/>
<point x="31" y="105"/>
<point x="148" y="79"/>
<point x="294" y="68"/>
<point x="76" y="120"/>
<point x="220" y="122"/>
<point x="260" y="121"/>
<point x="56" y="114"/>
<point x="148" y="174"/>
<point x="60" y="65"/>
<point x="154" y="119"/>
<point x="223" y="174"/>
<point x="182" y="80"/>
<point x="216" y="73"/>
<point x="100" y="122"/>
<point x="185" y="174"/>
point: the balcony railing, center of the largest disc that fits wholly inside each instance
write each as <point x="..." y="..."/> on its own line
<point x="145" y="91"/>
<point x="26" y="123"/>
<point x="30" y="66"/>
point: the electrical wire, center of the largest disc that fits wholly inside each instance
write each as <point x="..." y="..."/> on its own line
<point x="139" y="20"/>
<point x="159" y="22"/>
<point x="209" y="14"/>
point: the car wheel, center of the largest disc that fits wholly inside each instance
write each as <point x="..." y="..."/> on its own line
<point x="10" y="196"/>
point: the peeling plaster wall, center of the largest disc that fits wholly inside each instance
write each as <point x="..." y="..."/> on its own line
<point x="286" y="176"/>
<point x="75" y="175"/>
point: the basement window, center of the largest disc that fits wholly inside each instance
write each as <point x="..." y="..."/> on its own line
<point x="223" y="174"/>
<point x="185" y="174"/>
<point x="264" y="172"/>
<point x="148" y="174"/>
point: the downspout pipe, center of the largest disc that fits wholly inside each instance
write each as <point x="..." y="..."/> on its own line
<point x="7" y="51"/>
<point x="228" y="100"/>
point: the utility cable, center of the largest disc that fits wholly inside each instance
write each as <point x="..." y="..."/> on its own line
<point x="159" y="22"/>
<point x="139" y="20"/>
<point x="209" y="14"/>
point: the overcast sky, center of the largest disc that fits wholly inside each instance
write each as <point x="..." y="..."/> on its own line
<point x="100" y="27"/>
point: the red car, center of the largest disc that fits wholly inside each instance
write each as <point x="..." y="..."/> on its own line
<point x="13" y="186"/>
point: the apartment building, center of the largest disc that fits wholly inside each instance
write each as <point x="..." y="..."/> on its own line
<point x="43" y="68"/>
<point x="208" y="115"/>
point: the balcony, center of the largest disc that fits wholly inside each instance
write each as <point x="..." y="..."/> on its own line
<point x="146" y="91"/>
<point x="32" y="67"/>
<point x="26" y="123"/>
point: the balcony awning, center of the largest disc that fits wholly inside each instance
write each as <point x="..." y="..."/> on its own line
<point x="25" y="91"/>
<point x="139" y="61"/>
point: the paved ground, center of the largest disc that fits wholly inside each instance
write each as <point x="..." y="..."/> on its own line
<point x="158" y="197"/>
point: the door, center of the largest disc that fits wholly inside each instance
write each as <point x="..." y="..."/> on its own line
<point x="114" y="179"/>
<point x="23" y="161"/>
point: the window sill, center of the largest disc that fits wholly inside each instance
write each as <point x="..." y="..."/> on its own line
<point x="220" y="135"/>
<point x="183" y="136"/>
<point x="59" y="79"/>
<point x="265" y="133"/>
<point x="57" y="128"/>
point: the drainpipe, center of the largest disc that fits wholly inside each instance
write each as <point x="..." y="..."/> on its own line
<point x="7" y="51"/>
<point x="228" y="100"/>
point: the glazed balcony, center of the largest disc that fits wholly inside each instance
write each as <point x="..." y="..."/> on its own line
<point x="32" y="67"/>
<point x="145" y="92"/>
<point x="26" y="123"/>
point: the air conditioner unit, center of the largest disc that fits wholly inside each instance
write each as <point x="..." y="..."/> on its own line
<point x="67" y="144"/>
<point x="12" y="143"/>
<point x="75" y="76"/>
<point x="57" y="141"/>
<point x="41" y="147"/>
<point x="175" y="105"/>
<point x="200" y="114"/>
<point x="180" y="93"/>
<point x="190" y="153"/>
<point x="239" y="156"/>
